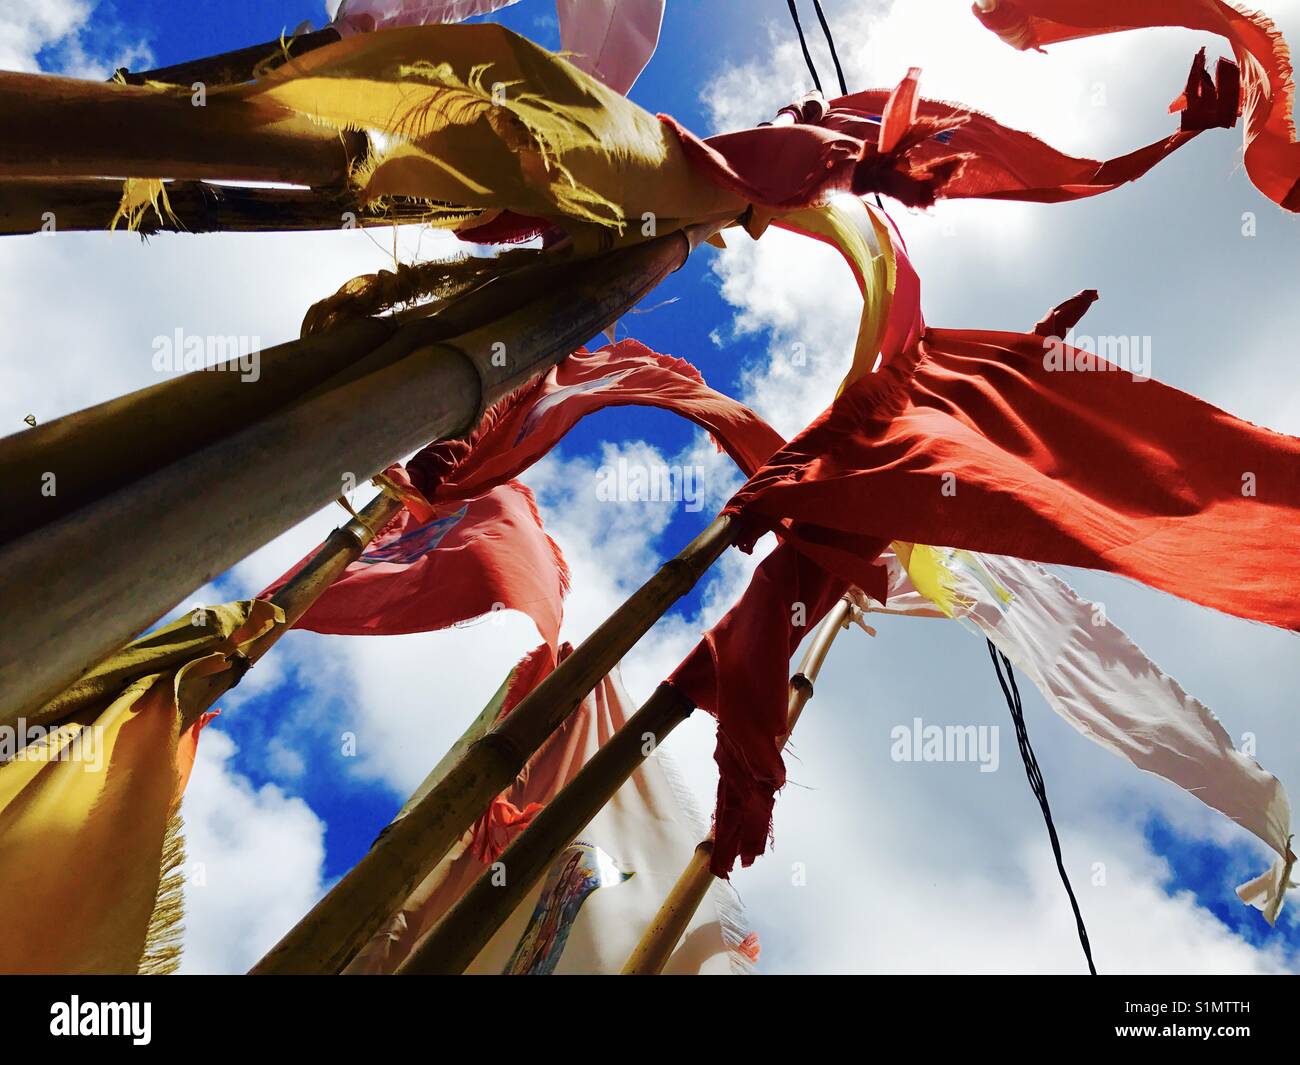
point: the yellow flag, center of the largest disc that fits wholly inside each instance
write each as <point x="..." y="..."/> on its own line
<point x="481" y="117"/>
<point x="90" y="847"/>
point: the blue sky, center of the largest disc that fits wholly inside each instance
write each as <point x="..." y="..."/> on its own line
<point x="917" y="859"/>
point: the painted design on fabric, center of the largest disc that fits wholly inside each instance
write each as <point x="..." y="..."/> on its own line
<point x="414" y="544"/>
<point x="582" y="869"/>
<point x="548" y="403"/>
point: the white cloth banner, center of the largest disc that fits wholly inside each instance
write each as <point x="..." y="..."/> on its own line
<point x="1096" y="678"/>
<point x="589" y="911"/>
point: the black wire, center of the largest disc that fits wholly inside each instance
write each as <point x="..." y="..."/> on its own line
<point x="839" y="71"/>
<point x="807" y="56"/>
<point x="1039" y="788"/>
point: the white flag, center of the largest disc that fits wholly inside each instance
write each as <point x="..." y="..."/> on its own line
<point x="1096" y="678"/>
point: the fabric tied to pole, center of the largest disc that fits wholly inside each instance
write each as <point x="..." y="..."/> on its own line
<point x="89" y="805"/>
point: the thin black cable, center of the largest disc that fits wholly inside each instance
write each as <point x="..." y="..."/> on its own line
<point x="807" y="55"/>
<point x="1039" y="788"/>
<point x="839" y="71"/>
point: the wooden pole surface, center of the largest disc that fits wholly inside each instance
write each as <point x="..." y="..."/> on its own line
<point x="338" y="925"/>
<point x="53" y="126"/>
<point x="465" y="929"/>
<point x="87" y="568"/>
<point x="237" y="66"/>
<point x="341" y="548"/>
<point x="68" y="205"/>
<point x="670" y="922"/>
<point x="665" y="931"/>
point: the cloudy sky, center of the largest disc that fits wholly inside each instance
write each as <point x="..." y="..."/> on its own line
<point x="902" y="867"/>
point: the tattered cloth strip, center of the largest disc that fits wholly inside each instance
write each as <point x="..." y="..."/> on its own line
<point x="616" y="873"/>
<point x="441" y="564"/>
<point x="1267" y="87"/>
<point x="739" y="672"/>
<point x="986" y="441"/>
<point x="407" y="284"/>
<point x="525" y="426"/>
<point x="90" y="839"/>
<point x="494" y="121"/>
<point x="1096" y="678"/>
<point x="139" y="196"/>
<point x="480" y="546"/>
<point x="1066" y="315"/>
<point x="918" y="151"/>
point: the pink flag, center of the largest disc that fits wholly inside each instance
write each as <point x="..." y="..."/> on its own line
<point x="458" y="561"/>
<point x="363" y="16"/>
<point x="612" y="40"/>
<point x="522" y="428"/>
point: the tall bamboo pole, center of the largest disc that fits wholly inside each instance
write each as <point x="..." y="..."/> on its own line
<point x="71" y="204"/>
<point x="198" y="499"/>
<point x="466" y="927"/>
<point x="233" y="67"/>
<point x="341" y="548"/>
<point x="63" y="127"/>
<point x="337" y="926"/>
<point x="665" y="931"/>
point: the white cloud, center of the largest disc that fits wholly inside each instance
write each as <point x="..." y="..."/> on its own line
<point x="254" y="860"/>
<point x="29" y="27"/>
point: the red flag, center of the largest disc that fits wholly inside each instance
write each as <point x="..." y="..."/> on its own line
<point x="1271" y="152"/>
<point x="497" y="828"/>
<point x="988" y="441"/>
<point x="918" y="150"/>
<point x="740" y="673"/>
<point x="1065" y="316"/>
<point x="457" y="561"/>
<point x="522" y="428"/>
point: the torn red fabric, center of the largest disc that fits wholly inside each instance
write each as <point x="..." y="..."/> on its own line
<point x="1065" y="316"/>
<point x="604" y="711"/>
<point x="916" y="150"/>
<point x="1272" y="155"/>
<point x="519" y="430"/>
<point x="1016" y="444"/>
<point x="458" y="561"/>
<point x="496" y="829"/>
<point x="740" y="673"/>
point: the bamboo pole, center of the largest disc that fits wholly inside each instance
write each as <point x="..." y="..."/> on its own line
<point x="233" y="67"/>
<point x="354" y="908"/>
<point x="194" y="500"/>
<point x="67" y="205"/>
<point x="465" y="929"/>
<point x="670" y="922"/>
<point x="341" y="548"/>
<point x="665" y="931"/>
<point x="63" y="127"/>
